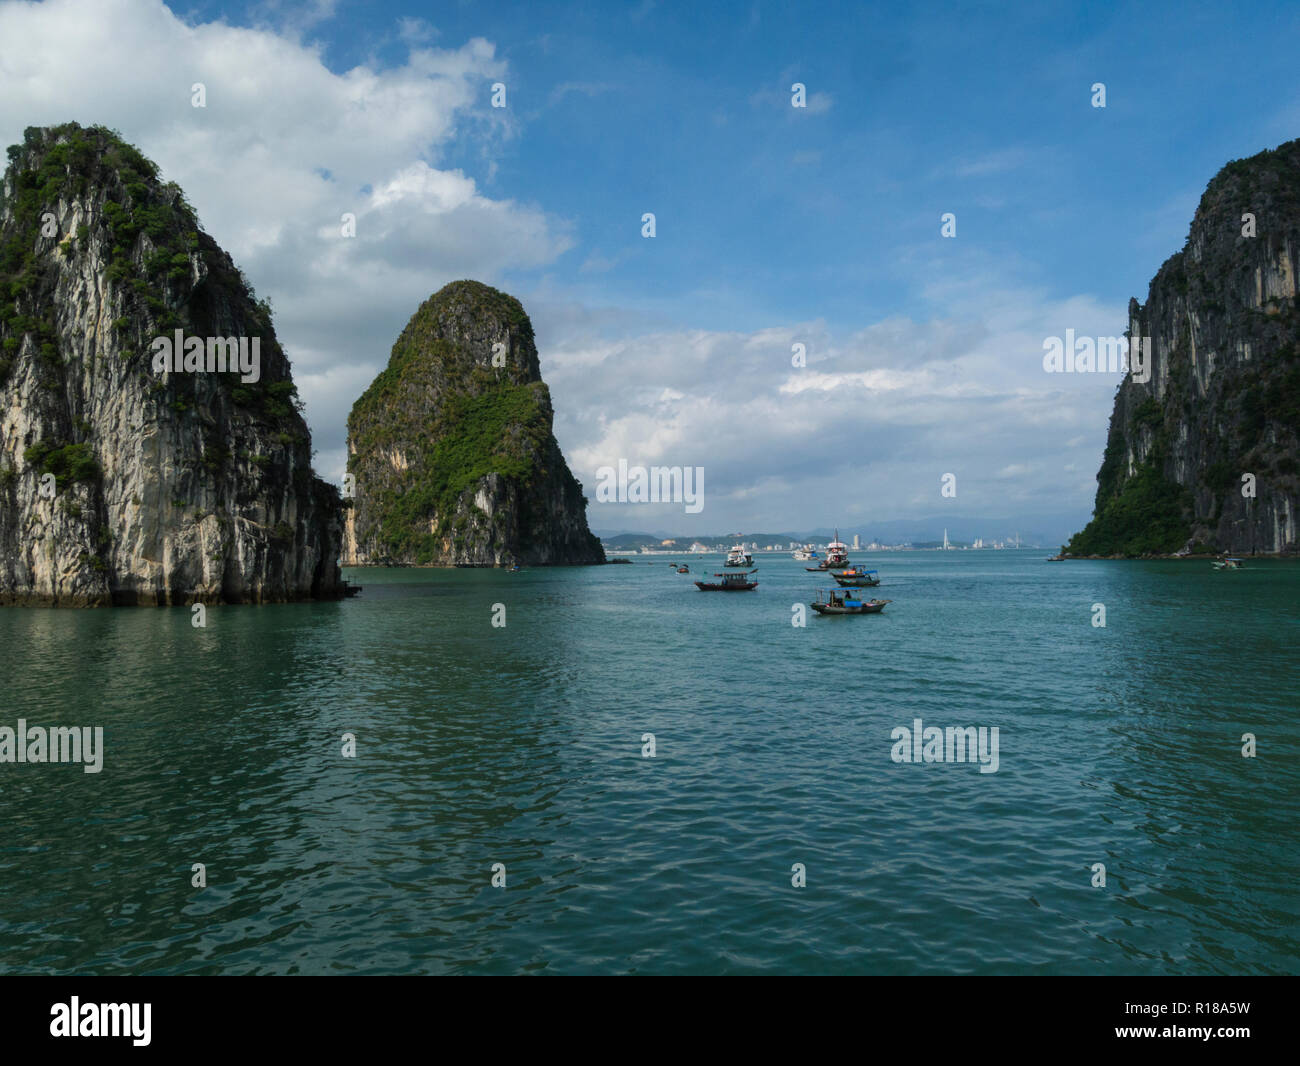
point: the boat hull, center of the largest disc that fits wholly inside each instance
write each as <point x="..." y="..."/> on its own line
<point x="735" y="586"/>
<point x="875" y="607"/>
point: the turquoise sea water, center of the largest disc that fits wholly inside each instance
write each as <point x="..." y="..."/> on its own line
<point x="522" y="746"/>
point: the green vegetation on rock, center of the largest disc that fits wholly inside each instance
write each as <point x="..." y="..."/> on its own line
<point x="1146" y="517"/>
<point x="67" y="462"/>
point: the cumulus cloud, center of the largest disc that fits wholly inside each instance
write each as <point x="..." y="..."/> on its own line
<point x="866" y="429"/>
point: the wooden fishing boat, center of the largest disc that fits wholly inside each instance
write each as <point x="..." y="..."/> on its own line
<point x="732" y="582"/>
<point x="683" y="569"/>
<point x="841" y="601"/>
<point x="855" y="578"/>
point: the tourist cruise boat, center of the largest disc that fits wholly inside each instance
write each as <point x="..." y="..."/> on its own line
<point x="837" y="552"/>
<point x="805" y="553"/>
<point x="738" y="556"/>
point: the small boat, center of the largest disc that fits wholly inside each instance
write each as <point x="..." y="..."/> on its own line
<point x="805" y="554"/>
<point x="837" y="553"/>
<point x="1228" y="562"/>
<point x="841" y="601"/>
<point x="350" y="589"/>
<point x="683" y="569"/>
<point x="732" y="582"/>
<point x="739" y="557"/>
<point x="855" y="578"/>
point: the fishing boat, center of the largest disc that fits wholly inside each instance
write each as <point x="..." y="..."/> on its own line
<point x="855" y="578"/>
<point x="739" y="557"/>
<point x="683" y="569"/>
<point x="842" y="601"/>
<point x="732" y="582"/>
<point x="805" y="554"/>
<point x="1228" y="562"/>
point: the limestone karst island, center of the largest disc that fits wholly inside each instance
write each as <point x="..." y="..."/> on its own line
<point x="451" y="446"/>
<point x="1203" y="454"/>
<point x="120" y="484"/>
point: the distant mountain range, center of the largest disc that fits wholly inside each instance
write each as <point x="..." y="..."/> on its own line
<point x="962" y="529"/>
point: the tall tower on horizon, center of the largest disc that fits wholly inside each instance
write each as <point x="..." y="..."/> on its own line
<point x="945" y="538"/>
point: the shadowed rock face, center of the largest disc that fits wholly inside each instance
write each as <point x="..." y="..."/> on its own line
<point x="452" y="451"/>
<point x="1223" y="398"/>
<point x="168" y="487"/>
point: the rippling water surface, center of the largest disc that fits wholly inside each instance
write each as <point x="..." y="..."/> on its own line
<point x="523" y="746"/>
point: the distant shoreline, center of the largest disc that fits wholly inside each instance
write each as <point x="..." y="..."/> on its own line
<point x="1199" y="557"/>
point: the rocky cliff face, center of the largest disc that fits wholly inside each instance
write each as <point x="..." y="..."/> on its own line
<point x="451" y="447"/>
<point x="1223" y="399"/>
<point x="121" y="483"/>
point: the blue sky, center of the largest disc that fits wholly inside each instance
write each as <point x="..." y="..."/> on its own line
<point x="774" y="224"/>
<point x="764" y="210"/>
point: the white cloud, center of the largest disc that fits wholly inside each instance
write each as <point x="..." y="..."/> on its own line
<point x="588" y="89"/>
<point x="873" y="420"/>
<point x="998" y="162"/>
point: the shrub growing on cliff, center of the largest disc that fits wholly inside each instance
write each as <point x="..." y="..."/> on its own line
<point x="1147" y="517"/>
<point x="67" y="462"/>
